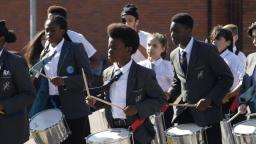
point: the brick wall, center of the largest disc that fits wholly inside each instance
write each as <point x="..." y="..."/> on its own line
<point x="91" y="17"/>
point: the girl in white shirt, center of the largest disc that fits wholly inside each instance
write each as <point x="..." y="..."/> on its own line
<point x="157" y="44"/>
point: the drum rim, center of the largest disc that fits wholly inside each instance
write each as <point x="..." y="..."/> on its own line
<point x="237" y="134"/>
<point x="62" y="118"/>
<point x="129" y="132"/>
<point x="197" y="132"/>
<point x="200" y="131"/>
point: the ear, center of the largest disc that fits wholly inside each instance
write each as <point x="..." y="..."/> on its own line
<point x="137" y="23"/>
<point x="228" y="43"/>
<point x="129" y="50"/>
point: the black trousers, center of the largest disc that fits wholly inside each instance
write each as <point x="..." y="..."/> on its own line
<point x="213" y="133"/>
<point x="80" y="129"/>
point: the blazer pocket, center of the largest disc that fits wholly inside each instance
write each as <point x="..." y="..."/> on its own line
<point x="199" y="67"/>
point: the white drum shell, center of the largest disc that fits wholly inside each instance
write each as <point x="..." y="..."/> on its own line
<point x="245" y="132"/>
<point x="193" y="137"/>
<point x="54" y="134"/>
<point x="124" y="138"/>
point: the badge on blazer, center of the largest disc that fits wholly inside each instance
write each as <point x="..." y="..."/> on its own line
<point x="70" y="69"/>
<point x="138" y="98"/>
<point x="6" y="73"/>
<point x="6" y="86"/>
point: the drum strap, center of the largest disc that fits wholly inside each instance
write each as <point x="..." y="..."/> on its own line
<point x="137" y="123"/>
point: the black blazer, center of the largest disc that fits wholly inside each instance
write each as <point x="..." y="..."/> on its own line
<point x="72" y="59"/>
<point x="208" y="76"/>
<point x="142" y="91"/>
<point x="16" y="93"/>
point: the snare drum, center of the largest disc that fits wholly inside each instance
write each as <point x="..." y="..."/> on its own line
<point x="185" y="134"/>
<point x="245" y="132"/>
<point x="49" y="127"/>
<point x="110" y="136"/>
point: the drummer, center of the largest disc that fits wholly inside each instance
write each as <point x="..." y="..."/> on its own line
<point x="16" y="92"/>
<point x="201" y="77"/>
<point x="135" y="88"/>
<point x="64" y="88"/>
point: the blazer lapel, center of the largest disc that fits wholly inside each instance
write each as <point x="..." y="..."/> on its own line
<point x="177" y="63"/>
<point x="63" y="55"/>
<point x="107" y="77"/>
<point x="193" y="57"/>
<point x="131" y="80"/>
<point x="2" y="57"/>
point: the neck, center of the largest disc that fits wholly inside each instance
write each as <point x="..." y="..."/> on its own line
<point x="151" y="59"/>
<point x="54" y="44"/>
<point x="122" y="63"/>
<point x="185" y="42"/>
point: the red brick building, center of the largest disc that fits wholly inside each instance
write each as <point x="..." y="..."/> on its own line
<point x="91" y="17"/>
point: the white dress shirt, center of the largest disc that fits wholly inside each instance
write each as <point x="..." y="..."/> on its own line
<point x="144" y="36"/>
<point x="163" y="70"/>
<point x="241" y="57"/>
<point x="118" y="91"/>
<point x="79" y="38"/>
<point x="235" y="66"/>
<point x="50" y="68"/>
<point x="187" y="49"/>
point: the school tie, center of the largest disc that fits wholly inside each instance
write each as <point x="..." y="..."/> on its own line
<point x="152" y="66"/>
<point x="183" y="62"/>
<point x="98" y="90"/>
<point x="39" y="65"/>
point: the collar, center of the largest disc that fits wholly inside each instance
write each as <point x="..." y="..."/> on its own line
<point x="188" y="48"/>
<point x="224" y="53"/>
<point x="57" y="47"/>
<point x="124" y="68"/>
<point x="157" y="62"/>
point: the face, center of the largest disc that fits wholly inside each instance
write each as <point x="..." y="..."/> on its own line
<point x="130" y="21"/>
<point x="254" y="37"/>
<point x="53" y="32"/>
<point x="154" y="48"/>
<point x="117" y="51"/>
<point x="221" y="43"/>
<point x="179" y="33"/>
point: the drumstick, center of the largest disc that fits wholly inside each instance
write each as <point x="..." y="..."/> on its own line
<point x="2" y="113"/>
<point x="251" y="114"/>
<point x="233" y="117"/>
<point x="43" y="75"/>
<point x="182" y="105"/>
<point x="106" y="102"/>
<point x="85" y="83"/>
<point x="98" y="99"/>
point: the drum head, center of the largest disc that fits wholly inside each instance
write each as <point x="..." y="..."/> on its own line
<point x="184" y="129"/>
<point x="109" y="135"/>
<point x="45" y="119"/>
<point x="246" y="127"/>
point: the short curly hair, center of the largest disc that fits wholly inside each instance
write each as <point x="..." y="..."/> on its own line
<point x="57" y="10"/>
<point x="129" y="36"/>
<point x="251" y="28"/>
